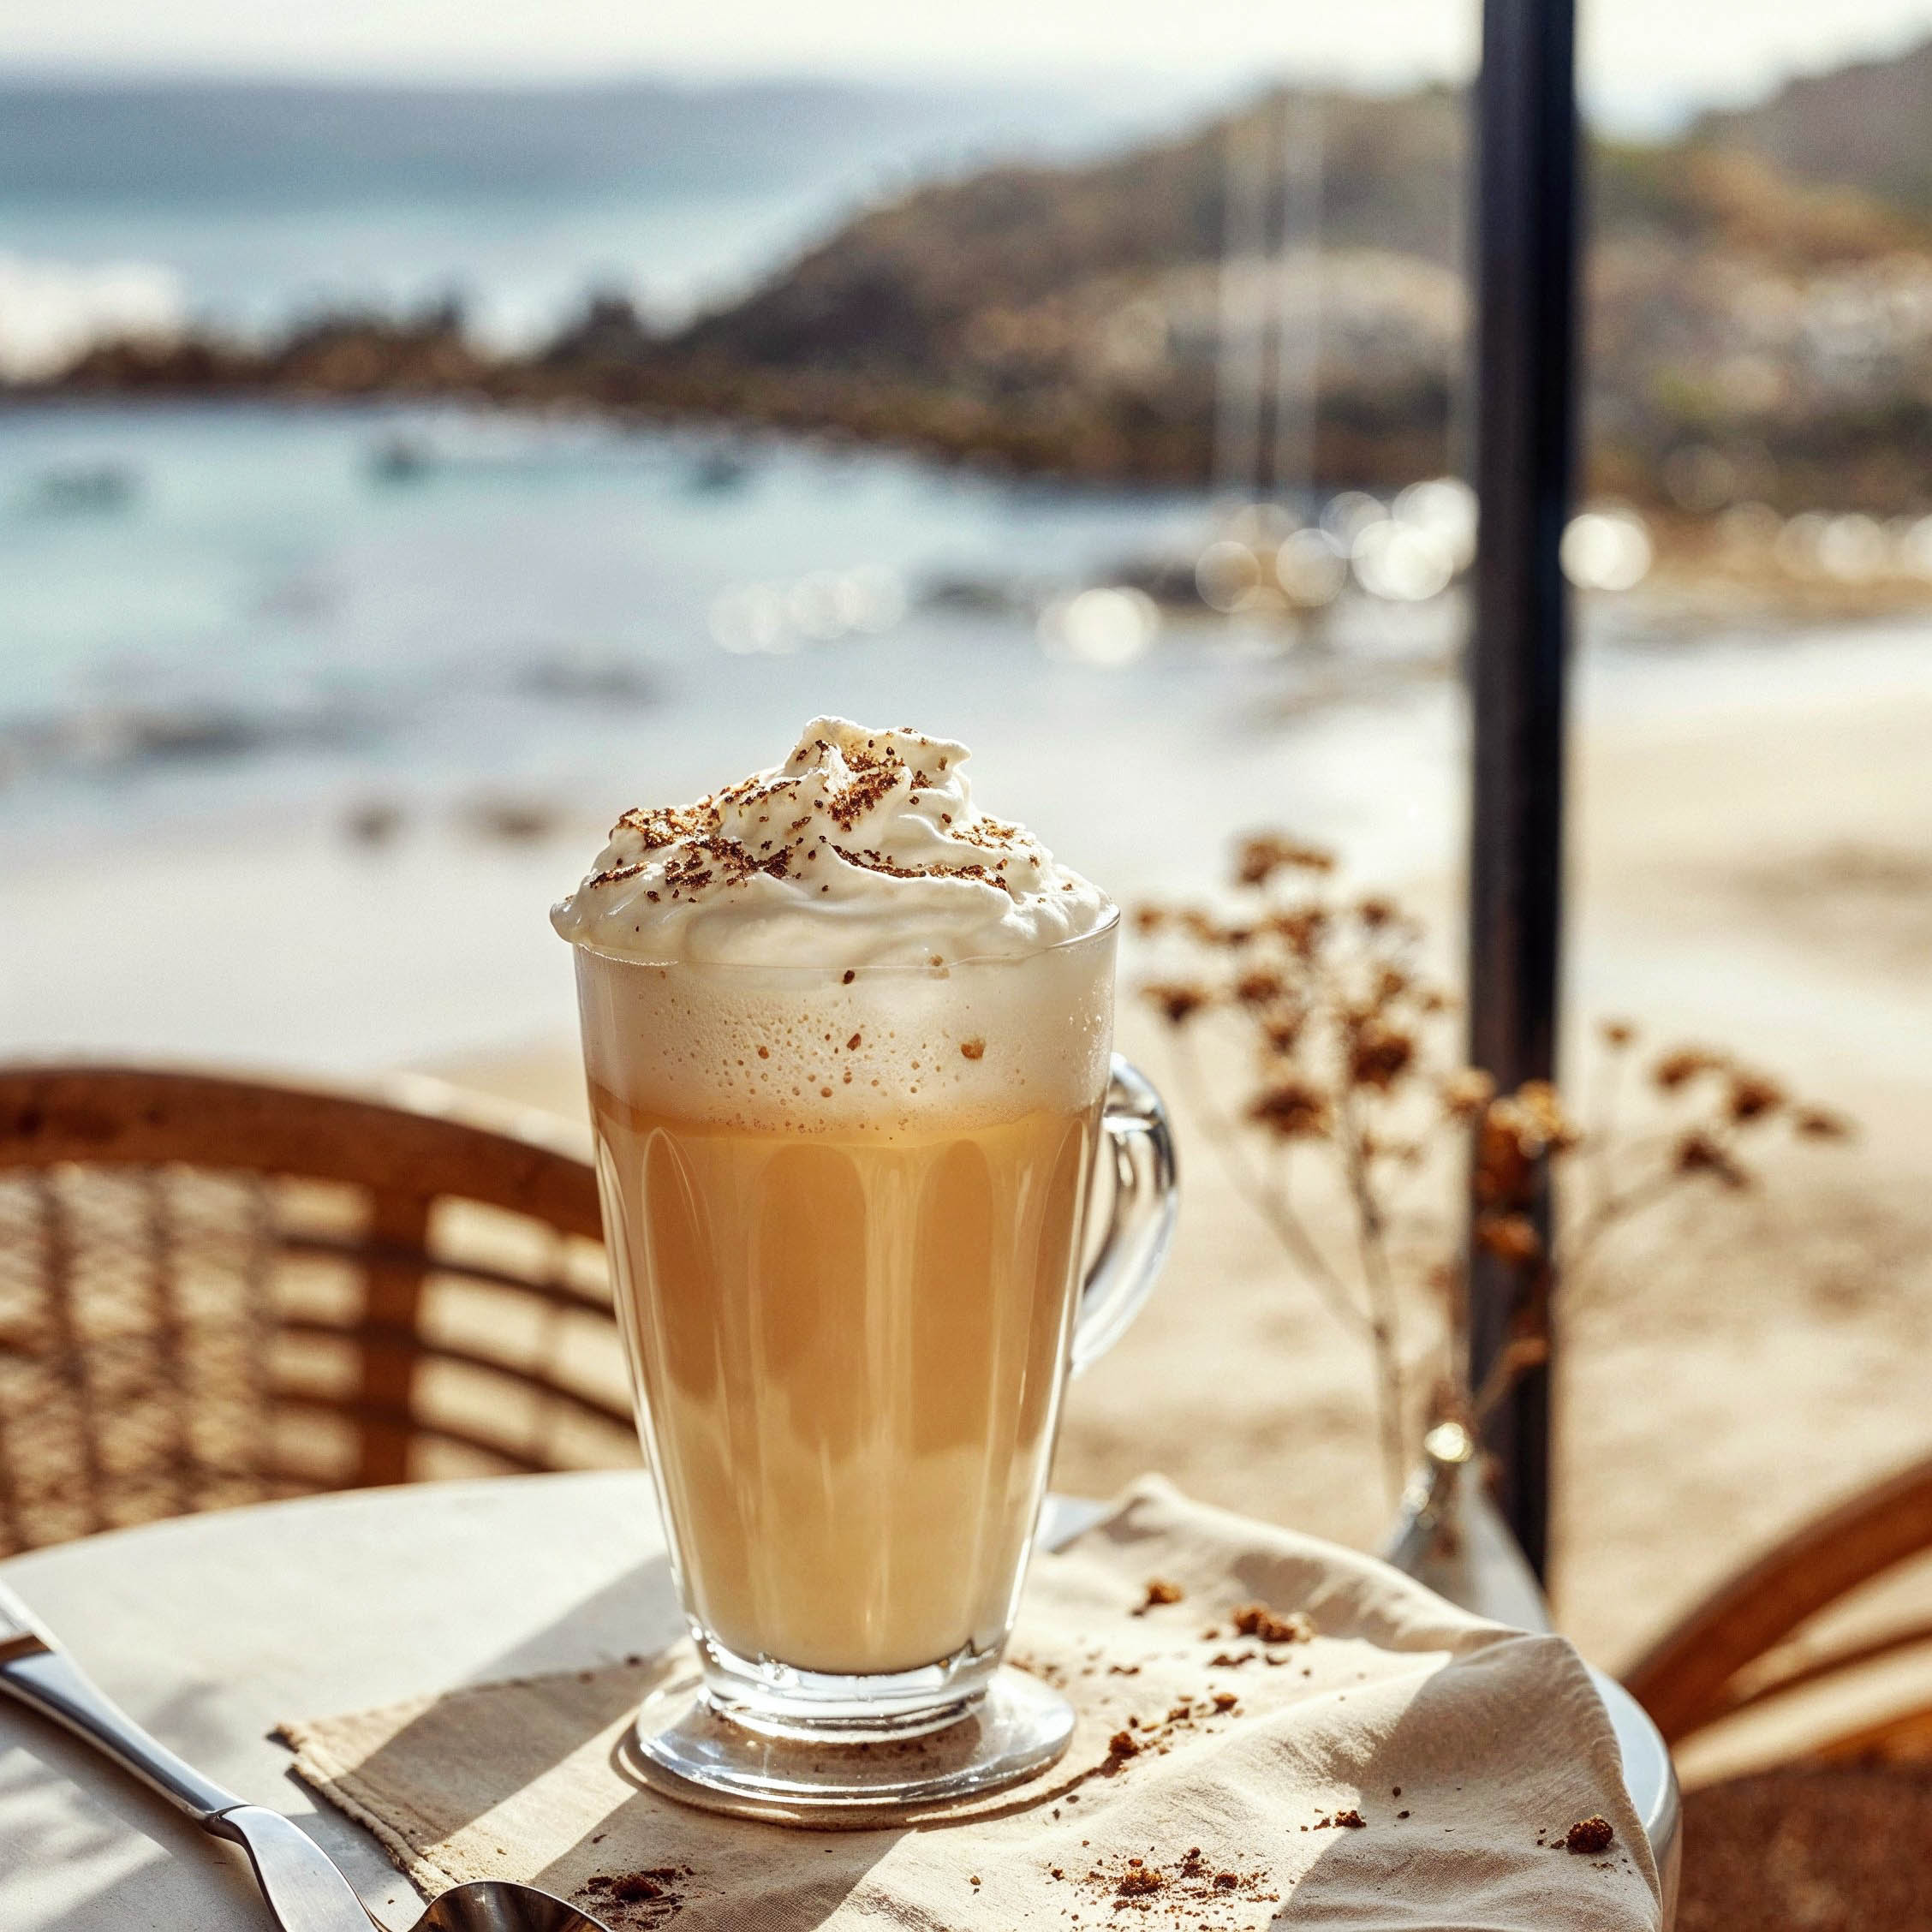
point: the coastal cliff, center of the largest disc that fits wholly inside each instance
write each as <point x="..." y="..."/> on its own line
<point x="1080" y="319"/>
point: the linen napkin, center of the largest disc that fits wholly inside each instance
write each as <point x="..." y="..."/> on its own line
<point x="1272" y="1732"/>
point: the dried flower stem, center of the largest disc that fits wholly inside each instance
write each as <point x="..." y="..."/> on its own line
<point x="1272" y="1204"/>
<point x="1585" y="1238"/>
<point x="1385" y="1333"/>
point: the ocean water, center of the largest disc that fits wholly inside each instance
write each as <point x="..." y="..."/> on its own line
<point x="229" y="634"/>
<point x="233" y="636"/>
<point x="207" y="602"/>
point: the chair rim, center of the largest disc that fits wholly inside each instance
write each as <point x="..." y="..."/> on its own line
<point x="1682" y="1680"/>
<point x="491" y="1152"/>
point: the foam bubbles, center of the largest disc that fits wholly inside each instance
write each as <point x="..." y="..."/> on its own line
<point x="881" y="1053"/>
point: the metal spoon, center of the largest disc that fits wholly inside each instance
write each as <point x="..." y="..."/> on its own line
<point x="304" y="1890"/>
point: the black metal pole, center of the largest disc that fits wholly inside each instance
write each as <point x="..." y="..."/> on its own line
<point x="1525" y="414"/>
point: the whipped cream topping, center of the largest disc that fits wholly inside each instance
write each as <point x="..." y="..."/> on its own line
<point x="864" y="848"/>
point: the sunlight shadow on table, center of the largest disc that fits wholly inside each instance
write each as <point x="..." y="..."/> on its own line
<point x="94" y="1838"/>
<point x="581" y="1697"/>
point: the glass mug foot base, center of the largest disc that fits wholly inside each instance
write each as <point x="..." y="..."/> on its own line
<point x="683" y="1747"/>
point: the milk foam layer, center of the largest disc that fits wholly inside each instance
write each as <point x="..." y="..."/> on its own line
<point x="870" y="1052"/>
<point x="842" y="945"/>
<point x="864" y="848"/>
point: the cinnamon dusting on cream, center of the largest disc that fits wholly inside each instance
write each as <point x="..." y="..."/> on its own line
<point x="863" y="848"/>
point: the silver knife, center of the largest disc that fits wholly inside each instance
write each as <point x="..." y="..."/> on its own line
<point x="303" y="1889"/>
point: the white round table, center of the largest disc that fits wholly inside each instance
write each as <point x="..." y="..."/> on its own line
<point x="210" y="1630"/>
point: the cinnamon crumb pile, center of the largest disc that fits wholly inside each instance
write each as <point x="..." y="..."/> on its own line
<point x="1188" y="1888"/>
<point x="644" y="1899"/>
<point x="1257" y="1620"/>
<point x="1351" y="1819"/>
<point x="1589" y="1836"/>
<point x="1156" y="1735"/>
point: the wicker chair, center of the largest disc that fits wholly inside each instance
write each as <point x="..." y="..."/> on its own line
<point x="216" y="1290"/>
<point x="1768" y="1633"/>
<point x="1796" y="1652"/>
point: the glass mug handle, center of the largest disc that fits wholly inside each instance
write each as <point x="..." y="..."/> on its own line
<point x="1135" y="1135"/>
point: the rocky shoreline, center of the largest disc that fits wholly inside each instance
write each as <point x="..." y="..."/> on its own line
<point x="358" y="358"/>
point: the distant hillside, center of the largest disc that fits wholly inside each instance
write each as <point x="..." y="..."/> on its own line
<point x="1760" y="335"/>
<point x="1866" y="127"/>
<point x="897" y="282"/>
<point x="911" y="284"/>
<point x="1078" y="317"/>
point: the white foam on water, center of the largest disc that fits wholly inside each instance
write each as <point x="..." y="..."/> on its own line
<point x="52" y="313"/>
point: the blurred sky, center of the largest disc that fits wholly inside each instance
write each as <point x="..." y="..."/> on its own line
<point x="1646" y="60"/>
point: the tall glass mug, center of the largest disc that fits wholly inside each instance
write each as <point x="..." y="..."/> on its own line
<point x="845" y="1212"/>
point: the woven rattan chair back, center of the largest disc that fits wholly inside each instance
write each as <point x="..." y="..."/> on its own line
<point x="216" y="1292"/>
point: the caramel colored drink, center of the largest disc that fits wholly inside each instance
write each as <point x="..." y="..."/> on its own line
<point x="848" y="1040"/>
<point x="849" y="1349"/>
<point x="847" y="1313"/>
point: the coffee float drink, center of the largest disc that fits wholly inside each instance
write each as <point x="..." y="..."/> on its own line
<point x="847" y="1040"/>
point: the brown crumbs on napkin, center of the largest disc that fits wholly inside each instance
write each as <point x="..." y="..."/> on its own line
<point x="1352" y="1820"/>
<point x="1158" y="1592"/>
<point x="646" y="1900"/>
<point x="1141" y="1885"/>
<point x="1158" y="1734"/>
<point x="1589" y="1836"/>
<point x="1257" y="1620"/>
<point x="528" y="1775"/>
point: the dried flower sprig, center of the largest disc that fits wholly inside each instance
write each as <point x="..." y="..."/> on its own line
<point x="1351" y="1061"/>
